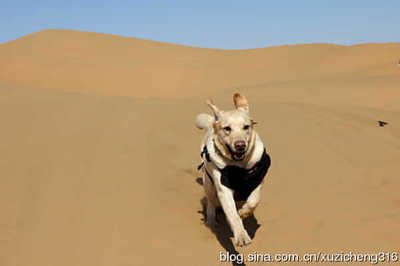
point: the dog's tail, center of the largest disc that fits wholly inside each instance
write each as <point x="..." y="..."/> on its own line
<point x="204" y="121"/>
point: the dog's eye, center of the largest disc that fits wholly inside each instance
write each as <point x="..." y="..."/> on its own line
<point x="246" y="127"/>
<point x="227" y="129"/>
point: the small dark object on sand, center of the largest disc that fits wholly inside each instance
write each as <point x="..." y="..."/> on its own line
<point x="382" y="123"/>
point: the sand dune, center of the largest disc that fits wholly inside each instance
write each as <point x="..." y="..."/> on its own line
<point x="113" y="65"/>
<point x="99" y="149"/>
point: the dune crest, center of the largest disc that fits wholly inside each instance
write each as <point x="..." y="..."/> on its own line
<point x="114" y="65"/>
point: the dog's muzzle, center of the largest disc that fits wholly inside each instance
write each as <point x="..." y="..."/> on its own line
<point x="239" y="152"/>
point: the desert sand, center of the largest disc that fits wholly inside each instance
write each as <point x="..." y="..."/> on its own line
<point x="99" y="149"/>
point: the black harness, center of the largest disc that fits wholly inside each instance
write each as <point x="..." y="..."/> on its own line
<point x="242" y="181"/>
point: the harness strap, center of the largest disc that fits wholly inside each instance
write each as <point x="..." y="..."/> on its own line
<point x="209" y="176"/>
<point x="200" y="166"/>
<point x="205" y="151"/>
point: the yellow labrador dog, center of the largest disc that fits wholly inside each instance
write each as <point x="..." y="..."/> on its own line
<point x="234" y="163"/>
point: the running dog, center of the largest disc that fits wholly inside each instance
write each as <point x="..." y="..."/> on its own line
<point x="234" y="164"/>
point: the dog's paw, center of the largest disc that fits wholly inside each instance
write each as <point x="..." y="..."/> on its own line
<point x="242" y="239"/>
<point x="245" y="212"/>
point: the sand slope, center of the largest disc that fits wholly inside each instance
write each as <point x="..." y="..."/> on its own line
<point x="90" y="62"/>
<point x="93" y="172"/>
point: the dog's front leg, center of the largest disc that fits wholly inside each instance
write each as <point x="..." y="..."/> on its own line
<point x="225" y="196"/>
<point x="252" y="201"/>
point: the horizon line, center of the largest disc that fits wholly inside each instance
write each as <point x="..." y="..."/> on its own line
<point x="197" y="46"/>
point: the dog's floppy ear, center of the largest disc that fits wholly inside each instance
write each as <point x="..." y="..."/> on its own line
<point x="240" y="102"/>
<point x="214" y="109"/>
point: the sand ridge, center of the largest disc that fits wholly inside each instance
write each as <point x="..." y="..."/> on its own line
<point x="114" y="65"/>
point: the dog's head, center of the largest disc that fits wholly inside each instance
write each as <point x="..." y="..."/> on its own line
<point x="234" y="130"/>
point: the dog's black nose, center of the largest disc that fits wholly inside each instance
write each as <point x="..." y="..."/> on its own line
<point x="240" y="145"/>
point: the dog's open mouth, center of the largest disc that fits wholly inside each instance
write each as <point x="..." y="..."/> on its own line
<point x="236" y="155"/>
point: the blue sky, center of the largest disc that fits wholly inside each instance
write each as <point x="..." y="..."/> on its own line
<point x="216" y="24"/>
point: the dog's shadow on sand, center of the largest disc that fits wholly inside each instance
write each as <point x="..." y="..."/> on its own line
<point x="222" y="231"/>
